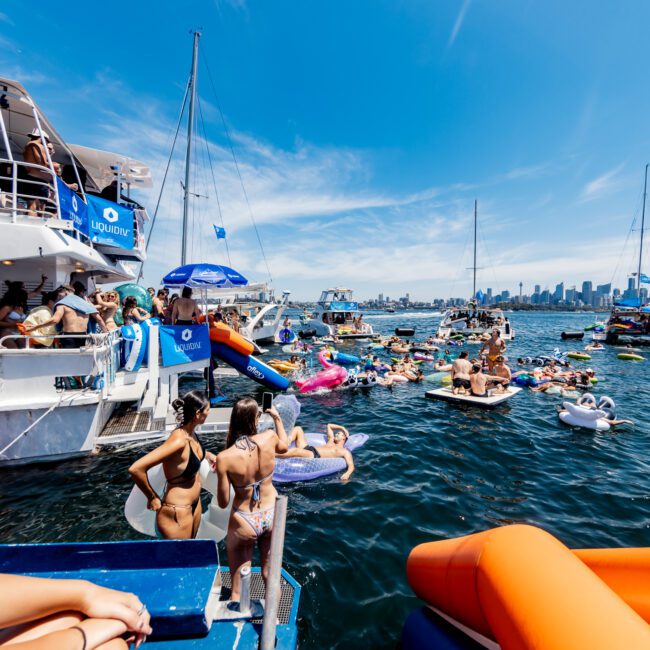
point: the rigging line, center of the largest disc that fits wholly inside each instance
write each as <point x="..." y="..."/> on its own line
<point x="462" y="259"/>
<point x="491" y="264"/>
<point x="629" y="234"/>
<point x="214" y="180"/>
<point x="162" y="186"/>
<point x="241" y="180"/>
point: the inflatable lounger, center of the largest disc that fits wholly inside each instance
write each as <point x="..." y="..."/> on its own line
<point x="288" y="470"/>
<point x="485" y="402"/>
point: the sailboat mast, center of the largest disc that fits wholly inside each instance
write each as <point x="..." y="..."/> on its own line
<point x="638" y="277"/>
<point x="474" y="267"/>
<point x="188" y="154"/>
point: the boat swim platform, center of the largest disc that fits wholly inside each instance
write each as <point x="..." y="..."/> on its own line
<point x="139" y="426"/>
<point x="447" y="395"/>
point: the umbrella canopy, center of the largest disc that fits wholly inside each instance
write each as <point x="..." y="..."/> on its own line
<point x="204" y="275"/>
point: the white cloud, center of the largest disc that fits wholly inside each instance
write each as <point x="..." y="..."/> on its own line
<point x="4" y="18"/>
<point x="458" y="23"/>
<point x="601" y="184"/>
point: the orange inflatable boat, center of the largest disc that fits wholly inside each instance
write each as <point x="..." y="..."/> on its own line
<point x="520" y="587"/>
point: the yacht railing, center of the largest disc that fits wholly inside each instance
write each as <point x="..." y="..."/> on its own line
<point x="25" y="188"/>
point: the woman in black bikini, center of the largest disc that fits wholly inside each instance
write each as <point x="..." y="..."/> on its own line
<point x="178" y="511"/>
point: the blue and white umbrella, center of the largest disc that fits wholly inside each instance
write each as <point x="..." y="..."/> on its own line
<point x="204" y="275"/>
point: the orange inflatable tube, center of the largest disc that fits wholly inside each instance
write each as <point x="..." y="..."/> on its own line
<point x="523" y="588"/>
<point x="222" y="333"/>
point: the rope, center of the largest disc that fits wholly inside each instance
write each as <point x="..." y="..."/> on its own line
<point x="162" y="186"/>
<point x="635" y="215"/>
<point x="241" y="180"/>
<point x="33" y="424"/>
<point x="214" y="181"/>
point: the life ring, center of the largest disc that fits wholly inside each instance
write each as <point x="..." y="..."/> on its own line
<point x="286" y="335"/>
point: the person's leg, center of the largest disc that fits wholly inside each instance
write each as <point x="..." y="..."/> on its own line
<point x="240" y="543"/>
<point x="264" y="543"/>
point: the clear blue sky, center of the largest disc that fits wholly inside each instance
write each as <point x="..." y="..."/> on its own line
<point x="365" y="129"/>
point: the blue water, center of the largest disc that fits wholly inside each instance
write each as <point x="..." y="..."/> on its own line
<point x="430" y="470"/>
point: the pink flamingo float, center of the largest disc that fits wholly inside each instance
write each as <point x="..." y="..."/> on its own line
<point x="331" y="377"/>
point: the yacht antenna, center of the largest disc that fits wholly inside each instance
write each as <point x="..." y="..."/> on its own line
<point x="474" y="267"/>
<point x="187" y="193"/>
<point x="638" y="277"/>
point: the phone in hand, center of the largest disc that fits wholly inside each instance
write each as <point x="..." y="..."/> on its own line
<point x="267" y="401"/>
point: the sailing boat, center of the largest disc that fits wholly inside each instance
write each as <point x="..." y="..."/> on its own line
<point x="629" y="321"/>
<point x="258" y="310"/>
<point x="473" y="319"/>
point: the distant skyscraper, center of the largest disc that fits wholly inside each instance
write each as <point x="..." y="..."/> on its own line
<point x="521" y="288"/>
<point x="587" y="293"/>
<point x="631" y="283"/>
<point x="570" y="295"/>
<point x="604" y="289"/>
<point x="381" y="298"/>
<point x="558" y="294"/>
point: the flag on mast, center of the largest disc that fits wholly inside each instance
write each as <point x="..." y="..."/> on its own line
<point x="219" y="232"/>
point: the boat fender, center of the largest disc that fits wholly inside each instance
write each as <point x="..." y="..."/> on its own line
<point x="306" y="334"/>
<point x="586" y="400"/>
<point x="404" y="331"/>
<point x="572" y="335"/>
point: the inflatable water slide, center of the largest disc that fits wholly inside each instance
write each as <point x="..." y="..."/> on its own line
<point x="519" y="588"/>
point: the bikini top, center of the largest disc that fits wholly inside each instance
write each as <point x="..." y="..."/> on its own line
<point x="17" y="316"/>
<point x="247" y="443"/>
<point x="192" y="467"/>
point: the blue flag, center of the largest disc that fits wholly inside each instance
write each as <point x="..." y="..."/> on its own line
<point x="644" y="278"/>
<point x="219" y="232"/>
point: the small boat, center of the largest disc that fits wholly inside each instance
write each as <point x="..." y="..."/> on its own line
<point x="491" y="401"/>
<point x="182" y="583"/>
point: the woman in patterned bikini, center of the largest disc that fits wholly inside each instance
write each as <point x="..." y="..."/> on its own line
<point x="247" y="465"/>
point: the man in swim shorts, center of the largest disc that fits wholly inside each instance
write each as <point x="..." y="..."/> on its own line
<point x="495" y="346"/>
<point x="503" y="371"/>
<point x="337" y="436"/>
<point x="460" y="371"/>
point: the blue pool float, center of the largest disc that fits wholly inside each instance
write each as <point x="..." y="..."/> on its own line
<point x="289" y="470"/>
<point x="251" y="367"/>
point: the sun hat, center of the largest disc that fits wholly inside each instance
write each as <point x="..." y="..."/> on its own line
<point x="36" y="133"/>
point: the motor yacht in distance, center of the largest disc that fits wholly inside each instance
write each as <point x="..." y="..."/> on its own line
<point x="337" y="314"/>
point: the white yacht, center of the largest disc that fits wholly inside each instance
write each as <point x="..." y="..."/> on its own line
<point x="470" y="320"/>
<point x="47" y="229"/>
<point x="337" y="314"/>
<point x="260" y="313"/>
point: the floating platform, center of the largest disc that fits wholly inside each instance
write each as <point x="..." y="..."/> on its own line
<point x="484" y="402"/>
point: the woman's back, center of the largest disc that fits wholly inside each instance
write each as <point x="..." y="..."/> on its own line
<point x="250" y="462"/>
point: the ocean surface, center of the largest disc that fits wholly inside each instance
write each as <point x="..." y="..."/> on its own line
<point x="430" y="470"/>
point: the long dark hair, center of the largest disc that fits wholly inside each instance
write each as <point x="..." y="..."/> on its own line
<point x="189" y="405"/>
<point x="243" y="420"/>
<point x="15" y="295"/>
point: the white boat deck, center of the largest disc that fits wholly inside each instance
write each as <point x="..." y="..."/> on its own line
<point x="446" y="394"/>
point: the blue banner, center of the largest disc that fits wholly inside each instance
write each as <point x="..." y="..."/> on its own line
<point x="644" y="278"/>
<point x="219" y="232"/>
<point x="72" y="207"/>
<point x="344" y="306"/>
<point x="110" y="223"/>
<point x="184" y="344"/>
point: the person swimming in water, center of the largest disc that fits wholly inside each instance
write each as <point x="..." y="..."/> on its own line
<point x="178" y="510"/>
<point x="337" y="436"/>
<point x="247" y="464"/>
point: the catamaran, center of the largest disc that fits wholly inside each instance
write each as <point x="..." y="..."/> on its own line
<point x="629" y="321"/>
<point x="474" y="319"/>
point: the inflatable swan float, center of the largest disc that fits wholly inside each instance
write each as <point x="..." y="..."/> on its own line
<point x="588" y="414"/>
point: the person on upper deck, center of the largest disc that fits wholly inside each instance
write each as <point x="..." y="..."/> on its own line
<point x="247" y="464"/>
<point x="74" y="314"/>
<point x="185" y="309"/>
<point x="35" y="186"/>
